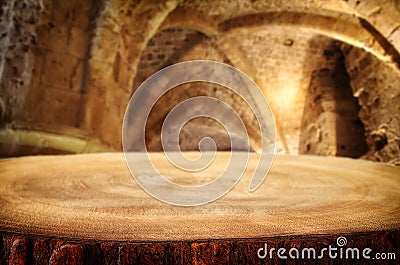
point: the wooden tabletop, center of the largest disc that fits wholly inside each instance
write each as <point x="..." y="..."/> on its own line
<point x="93" y="196"/>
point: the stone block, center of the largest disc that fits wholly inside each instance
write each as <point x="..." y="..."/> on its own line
<point x="42" y="34"/>
<point x="53" y="108"/>
<point x="37" y="68"/>
<point x="78" y="42"/>
<point x="73" y="13"/>
<point x="79" y="13"/>
<point x="131" y="47"/>
<point x="100" y="74"/>
<point x="111" y="129"/>
<point x="93" y="107"/>
<point x="105" y="45"/>
<point x="62" y="71"/>
<point x="61" y="12"/>
<point x="102" y="116"/>
<point x="80" y="19"/>
<point x="57" y="38"/>
<point x="372" y="86"/>
<point x="123" y="73"/>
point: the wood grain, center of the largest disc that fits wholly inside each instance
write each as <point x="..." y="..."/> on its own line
<point x="50" y="201"/>
<point x="94" y="197"/>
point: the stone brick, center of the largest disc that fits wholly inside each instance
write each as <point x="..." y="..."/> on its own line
<point x="104" y="114"/>
<point x="101" y="75"/>
<point x="57" y="38"/>
<point x="104" y="104"/>
<point x="45" y="19"/>
<point x="284" y="79"/>
<point x="330" y="123"/>
<point x="54" y="108"/>
<point x="111" y="128"/>
<point x="61" y="12"/>
<point x="74" y="13"/>
<point x="42" y="33"/>
<point x="131" y="47"/>
<point x="38" y="66"/>
<point x="372" y="85"/>
<point x="62" y="71"/>
<point x="94" y="107"/>
<point x="123" y="73"/>
<point x="80" y="12"/>
<point x="105" y="45"/>
<point x="170" y="46"/>
<point x="112" y="19"/>
<point x="283" y="69"/>
<point x="78" y="42"/>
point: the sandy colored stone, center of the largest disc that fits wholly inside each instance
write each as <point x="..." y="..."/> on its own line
<point x="57" y="38"/>
<point x="105" y="45"/>
<point x="62" y="71"/>
<point x="54" y="107"/>
<point x="376" y="86"/>
<point x="278" y="44"/>
<point x="78" y="42"/>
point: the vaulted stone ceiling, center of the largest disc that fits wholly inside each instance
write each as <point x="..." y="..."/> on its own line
<point x="103" y="50"/>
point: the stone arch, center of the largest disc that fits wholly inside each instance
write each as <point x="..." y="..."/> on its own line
<point x="383" y="16"/>
<point x="192" y="20"/>
<point x="198" y="41"/>
<point x="114" y="54"/>
<point x="207" y="26"/>
<point x="166" y="14"/>
<point x="346" y="28"/>
<point x="121" y="29"/>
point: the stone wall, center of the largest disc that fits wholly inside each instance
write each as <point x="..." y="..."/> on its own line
<point x="330" y="124"/>
<point x="123" y="28"/>
<point x="174" y="45"/>
<point x="284" y="61"/>
<point x="55" y="93"/>
<point x="377" y="87"/>
<point x="18" y="21"/>
<point x="80" y="61"/>
<point x="44" y="76"/>
<point x="165" y="48"/>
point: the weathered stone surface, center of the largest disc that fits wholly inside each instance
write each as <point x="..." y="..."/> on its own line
<point x="377" y="87"/>
<point x="52" y="107"/>
<point x="330" y="123"/>
<point x="102" y="51"/>
<point x="284" y="72"/>
<point x="62" y="71"/>
<point x="78" y="42"/>
<point x="17" y="35"/>
<point x="105" y="45"/>
<point x="57" y="38"/>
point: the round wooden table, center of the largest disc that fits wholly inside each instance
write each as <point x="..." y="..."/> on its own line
<point x="88" y="209"/>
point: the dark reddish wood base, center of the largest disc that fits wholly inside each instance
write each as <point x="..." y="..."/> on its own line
<point x="18" y="249"/>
